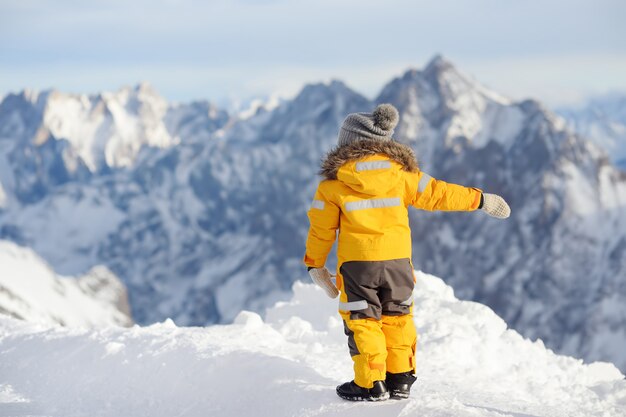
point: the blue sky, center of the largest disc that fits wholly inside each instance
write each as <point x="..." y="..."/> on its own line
<point x="559" y="51"/>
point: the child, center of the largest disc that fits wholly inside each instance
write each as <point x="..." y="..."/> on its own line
<point x="369" y="182"/>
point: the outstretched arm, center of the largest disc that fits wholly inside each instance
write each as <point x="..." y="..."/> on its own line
<point x="433" y="194"/>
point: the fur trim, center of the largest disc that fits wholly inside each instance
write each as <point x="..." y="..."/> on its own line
<point x="354" y="151"/>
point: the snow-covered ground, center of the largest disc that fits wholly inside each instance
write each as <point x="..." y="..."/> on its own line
<point x="469" y="364"/>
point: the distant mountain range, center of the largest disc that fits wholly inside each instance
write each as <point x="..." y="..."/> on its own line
<point x="203" y="213"/>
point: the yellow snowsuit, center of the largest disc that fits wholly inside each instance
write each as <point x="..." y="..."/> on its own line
<point x="366" y="192"/>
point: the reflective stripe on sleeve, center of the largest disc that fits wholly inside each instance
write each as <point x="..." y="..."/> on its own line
<point x="423" y="183"/>
<point x="317" y="204"/>
<point x="371" y="165"/>
<point x="353" y="305"/>
<point x="373" y="203"/>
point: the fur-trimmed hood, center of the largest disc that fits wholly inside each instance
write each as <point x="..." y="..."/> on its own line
<point x="354" y="151"/>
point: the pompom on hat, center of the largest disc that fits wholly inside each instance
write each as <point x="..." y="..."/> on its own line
<point x="377" y="125"/>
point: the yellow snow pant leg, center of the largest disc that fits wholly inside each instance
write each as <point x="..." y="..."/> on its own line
<point x="368" y="350"/>
<point x="401" y="339"/>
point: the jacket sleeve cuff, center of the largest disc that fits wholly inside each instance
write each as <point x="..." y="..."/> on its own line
<point x="312" y="263"/>
<point x="478" y="200"/>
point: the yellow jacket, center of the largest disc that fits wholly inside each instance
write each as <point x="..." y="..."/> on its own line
<point x="366" y="192"/>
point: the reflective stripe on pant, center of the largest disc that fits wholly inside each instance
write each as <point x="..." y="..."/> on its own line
<point x="375" y="304"/>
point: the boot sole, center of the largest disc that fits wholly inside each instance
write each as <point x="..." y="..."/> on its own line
<point x="383" y="397"/>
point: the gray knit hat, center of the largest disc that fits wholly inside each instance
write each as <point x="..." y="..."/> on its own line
<point x="363" y="126"/>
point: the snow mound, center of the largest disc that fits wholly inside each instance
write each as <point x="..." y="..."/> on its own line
<point x="30" y="290"/>
<point x="289" y="364"/>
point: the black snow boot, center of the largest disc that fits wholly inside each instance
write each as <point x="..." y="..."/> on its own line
<point x="352" y="392"/>
<point x="399" y="385"/>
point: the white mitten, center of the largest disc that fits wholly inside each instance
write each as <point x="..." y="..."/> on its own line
<point x="322" y="278"/>
<point x="495" y="206"/>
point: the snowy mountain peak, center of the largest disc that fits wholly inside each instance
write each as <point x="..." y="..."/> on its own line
<point x="104" y="131"/>
<point x="438" y="64"/>
<point x="321" y="106"/>
<point x="453" y="84"/>
<point x="197" y="121"/>
<point x="142" y="89"/>
<point x="145" y="87"/>
<point x="333" y="88"/>
<point x="447" y="109"/>
<point x="440" y="87"/>
<point x="142" y="94"/>
<point x="256" y="106"/>
<point x="32" y="95"/>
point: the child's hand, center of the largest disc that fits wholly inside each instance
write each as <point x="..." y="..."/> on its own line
<point x="495" y="206"/>
<point x="322" y="278"/>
